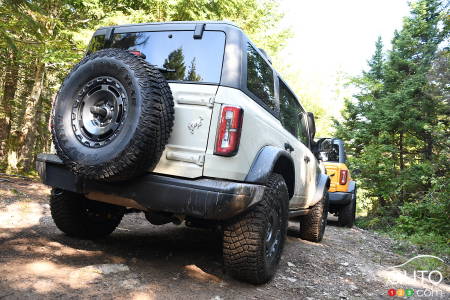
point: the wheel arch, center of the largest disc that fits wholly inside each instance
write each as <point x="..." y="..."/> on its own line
<point x="271" y="159"/>
<point x="322" y="185"/>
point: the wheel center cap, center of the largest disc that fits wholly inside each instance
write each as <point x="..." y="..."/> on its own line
<point x="99" y="111"/>
<point x="102" y="113"/>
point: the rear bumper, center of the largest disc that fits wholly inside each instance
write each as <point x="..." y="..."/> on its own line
<point x="339" y="198"/>
<point x="202" y="198"/>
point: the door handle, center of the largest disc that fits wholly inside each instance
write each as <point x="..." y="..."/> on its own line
<point x="288" y="147"/>
<point x="307" y="159"/>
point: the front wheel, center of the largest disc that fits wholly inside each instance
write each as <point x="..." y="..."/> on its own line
<point x="253" y="242"/>
<point x="312" y="226"/>
<point x="77" y="216"/>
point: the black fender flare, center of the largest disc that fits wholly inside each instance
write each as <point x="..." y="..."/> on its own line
<point x="322" y="185"/>
<point x="272" y="159"/>
<point x="351" y="186"/>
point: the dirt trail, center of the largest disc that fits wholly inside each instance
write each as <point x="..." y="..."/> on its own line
<point x="142" y="261"/>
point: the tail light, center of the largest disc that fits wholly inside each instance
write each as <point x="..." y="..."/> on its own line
<point x="138" y="53"/>
<point x="343" y="177"/>
<point x="229" y="131"/>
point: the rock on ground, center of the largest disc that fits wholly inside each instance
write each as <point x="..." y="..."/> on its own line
<point x="142" y="261"/>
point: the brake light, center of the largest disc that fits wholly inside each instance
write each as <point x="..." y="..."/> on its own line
<point x="229" y="131"/>
<point x="343" y="177"/>
<point x="138" y="53"/>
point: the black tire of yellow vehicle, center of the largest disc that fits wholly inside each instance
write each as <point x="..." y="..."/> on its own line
<point x="312" y="226"/>
<point x="346" y="214"/>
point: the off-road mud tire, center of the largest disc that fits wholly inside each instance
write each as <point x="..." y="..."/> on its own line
<point x="137" y="143"/>
<point x="80" y="217"/>
<point x="244" y="237"/>
<point x="312" y="225"/>
<point x="346" y="214"/>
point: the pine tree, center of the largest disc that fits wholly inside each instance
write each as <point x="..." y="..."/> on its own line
<point x="392" y="124"/>
<point x="192" y="73"/>
<point x="175" y="63"/>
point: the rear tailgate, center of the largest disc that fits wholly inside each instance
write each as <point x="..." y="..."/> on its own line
<point x="184" y="155"/>
<point x="333" y="172"/>
<point x="186" y="61"/>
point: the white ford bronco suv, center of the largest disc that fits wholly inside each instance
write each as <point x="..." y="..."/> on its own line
<point x="185" y="121"/>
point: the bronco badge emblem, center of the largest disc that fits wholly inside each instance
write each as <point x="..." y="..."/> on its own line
<point x="195" y="125"/>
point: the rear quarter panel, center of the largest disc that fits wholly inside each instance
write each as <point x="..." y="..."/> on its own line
<point x="259" y="128"/>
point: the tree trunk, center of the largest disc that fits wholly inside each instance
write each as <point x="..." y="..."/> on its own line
<point x="30" y="120"/>
<point x="9" y="92"/>
<point x="402" y="165"/>
<point x="24" y="95"/>
<point x="428" y="146"/>
<point x="401" y="152"/>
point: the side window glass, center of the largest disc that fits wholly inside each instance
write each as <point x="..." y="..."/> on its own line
<point x="290" y="113"/>
<point x="260" y="77"/>
<point x="303" y="130"/>
<point x="292" y="116"/>
<point x="97" y="43"/>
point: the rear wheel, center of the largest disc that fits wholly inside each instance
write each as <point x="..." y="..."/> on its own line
<point x="253" y="242"/>
<point x="346" y="214"/>
<point x="312" y="226"/>
<point x="77" y="216"/>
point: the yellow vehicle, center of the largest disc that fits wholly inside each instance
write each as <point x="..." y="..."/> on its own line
<point x="342" y="191"/>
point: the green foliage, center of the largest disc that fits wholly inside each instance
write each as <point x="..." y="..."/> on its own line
<point x="397" y="128"/>
<point x="430" y="214"/>
<point x="40" y="40"/>
<point x="175" y="61"/>
<point x="192" y="72"/>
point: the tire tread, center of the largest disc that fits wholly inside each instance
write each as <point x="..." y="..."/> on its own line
<point x="151" y="135"/>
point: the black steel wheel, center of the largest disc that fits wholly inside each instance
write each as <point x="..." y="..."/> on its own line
<point x="273" y="233"/>
<point x="100" y="111"/>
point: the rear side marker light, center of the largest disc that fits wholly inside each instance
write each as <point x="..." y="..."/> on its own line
<point x="229" y="131"/>
<point x="343" y="177"/>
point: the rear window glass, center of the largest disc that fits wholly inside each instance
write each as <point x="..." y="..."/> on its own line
<point x="332" y="154"/>
<point x="185" y="58"/>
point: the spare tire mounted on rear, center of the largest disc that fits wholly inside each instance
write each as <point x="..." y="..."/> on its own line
<point x="112" y="117"/>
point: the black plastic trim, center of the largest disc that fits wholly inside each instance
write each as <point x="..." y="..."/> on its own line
<point x="299" y="212"/>
<point x="264" y="165"/>
<point x="322" y="185"/>
<point x="339" y="198"/>
<point x="202" y="198"/>
<point x="198" y="32"/>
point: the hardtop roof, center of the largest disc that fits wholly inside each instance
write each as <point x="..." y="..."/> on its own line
<point x="177" y="24"/>
<point x="181" y="25"/>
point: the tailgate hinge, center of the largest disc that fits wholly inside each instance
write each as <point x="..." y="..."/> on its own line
<point x="211" y="101"/>
<point x="198" y="159"/>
